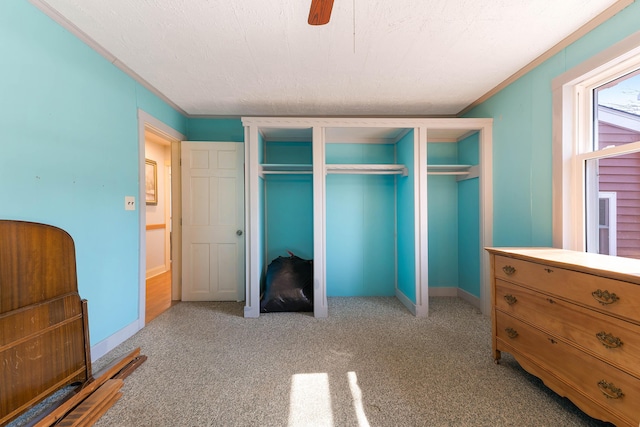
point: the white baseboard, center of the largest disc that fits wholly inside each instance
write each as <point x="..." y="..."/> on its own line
<point x="455" y="292"/>
<point x="156" y="270"/>
<point x="251" y="311"/>
<point x="111" y="342"/>
<point x="440" y="292"/>
<point x="406" y="302"/>
<point x="443" y="292"/>
<point x="470" y="298"/>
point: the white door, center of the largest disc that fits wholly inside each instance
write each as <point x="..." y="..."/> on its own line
<point x="212" y="221"/>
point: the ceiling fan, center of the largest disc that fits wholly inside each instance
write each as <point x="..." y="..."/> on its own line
<point x="320" y="12"/>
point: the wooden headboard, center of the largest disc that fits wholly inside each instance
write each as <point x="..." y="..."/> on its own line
<point x="44" y="334"/>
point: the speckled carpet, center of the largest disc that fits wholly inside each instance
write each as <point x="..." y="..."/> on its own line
<point x="370" y="363"/>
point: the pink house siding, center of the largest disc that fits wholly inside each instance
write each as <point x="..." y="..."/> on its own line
<point x="622" y="175"/>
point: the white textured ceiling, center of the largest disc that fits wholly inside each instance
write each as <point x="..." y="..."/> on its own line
<point x="374" y="58"/>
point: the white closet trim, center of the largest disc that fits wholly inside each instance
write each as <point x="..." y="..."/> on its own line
<point x="366" y="169"/>
<point x="322" y="131"/>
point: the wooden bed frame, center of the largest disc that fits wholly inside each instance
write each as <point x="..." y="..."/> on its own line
<point x="44" y="334"/>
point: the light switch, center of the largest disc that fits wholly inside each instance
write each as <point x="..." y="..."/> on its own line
<point x="129" y="203"/>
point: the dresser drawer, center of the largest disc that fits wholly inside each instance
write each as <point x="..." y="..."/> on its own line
<point x="605" y="385"/>
<point x="614" y="340"/>
<point x="603" y="294"/>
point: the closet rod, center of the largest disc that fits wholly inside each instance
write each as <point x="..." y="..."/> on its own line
<point x="363" y="172"/>
<point x="447" y="173"/>
<point x="378" y="169"/>
<point x="287" y="172"/>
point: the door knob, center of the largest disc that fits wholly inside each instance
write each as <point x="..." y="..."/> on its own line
<point x="239" y="232"/>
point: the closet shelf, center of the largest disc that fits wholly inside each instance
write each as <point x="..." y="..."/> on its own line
<point x="286" y="168"/>
<point x="448" y="169"/>
<point x="371" y="169"/>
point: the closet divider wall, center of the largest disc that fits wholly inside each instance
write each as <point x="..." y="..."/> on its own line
<point x="361" y="186"/>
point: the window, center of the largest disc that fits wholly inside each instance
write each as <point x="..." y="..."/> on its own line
<point x="597" y="154"/>
<point x="612" y="168"/>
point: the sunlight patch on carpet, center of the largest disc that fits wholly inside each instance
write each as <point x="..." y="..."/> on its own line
<point x="356" y="393"/>
<point x="310" y="402"/>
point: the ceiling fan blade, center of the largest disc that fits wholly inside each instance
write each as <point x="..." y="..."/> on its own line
<point x="320" y="12"/>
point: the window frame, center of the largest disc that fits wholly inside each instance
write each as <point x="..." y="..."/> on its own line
<point x="572" y="136"/>
<point x="612" y="227"/>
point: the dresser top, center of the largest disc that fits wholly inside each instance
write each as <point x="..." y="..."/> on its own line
<point x="627" y="269"/>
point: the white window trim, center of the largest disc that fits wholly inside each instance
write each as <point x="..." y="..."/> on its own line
<point x="612" y="196"/>
<point x="572" y="135"/>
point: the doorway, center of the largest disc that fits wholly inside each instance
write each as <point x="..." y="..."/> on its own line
<point x="158" y="222"/>
<point x="159" y="213"/>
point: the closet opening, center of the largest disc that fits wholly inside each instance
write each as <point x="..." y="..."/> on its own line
<point x="364" y="200"/>
<point x="357" y="195"/>
<point x="286" y="195"/>
<point x="454" y="226"/>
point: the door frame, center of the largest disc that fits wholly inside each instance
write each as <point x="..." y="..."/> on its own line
<point x="146" y="120"/>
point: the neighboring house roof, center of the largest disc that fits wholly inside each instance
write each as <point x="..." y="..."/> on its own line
<point x="619" y="118"/>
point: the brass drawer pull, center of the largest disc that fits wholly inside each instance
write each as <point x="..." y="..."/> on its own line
<point x="608" y="340"/>
<point x="609" y="390"/>
<point x="510" y="299"/>
<point x="604" y="297"/>
<point x="511" y="333"/>
<point x="508" y="270"/>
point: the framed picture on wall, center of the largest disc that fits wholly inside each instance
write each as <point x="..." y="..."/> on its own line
<point x="151" y="182"/>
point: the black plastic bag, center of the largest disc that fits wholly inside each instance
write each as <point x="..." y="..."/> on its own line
<point x="288" y="285"/>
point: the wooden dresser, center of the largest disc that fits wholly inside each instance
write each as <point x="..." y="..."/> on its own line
<point x="573" y="320"/>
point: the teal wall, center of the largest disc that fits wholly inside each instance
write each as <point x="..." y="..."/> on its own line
<point x="522" y="137"/>
<point x="69" y="154"/>
<point x="289" y="202"/>
<point x="215" y="129"/>
<point x="442" y="208"/>
<point x="360" y="224"/>
<point x="289" y="153"/>
<point x="469" y="150"/>
<point x="289" y="215"/>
